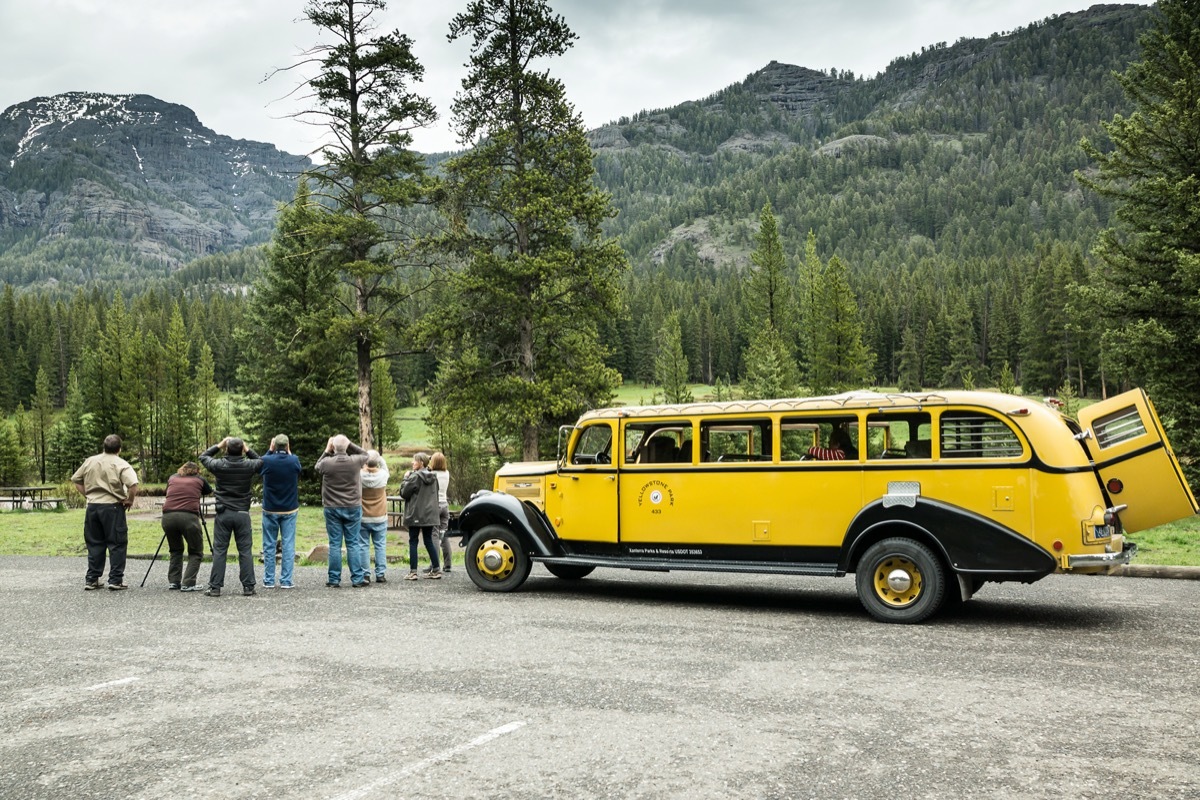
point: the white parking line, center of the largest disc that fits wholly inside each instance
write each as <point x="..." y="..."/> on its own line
<point x="445" y="755"/>
<point x="110" y="683"/>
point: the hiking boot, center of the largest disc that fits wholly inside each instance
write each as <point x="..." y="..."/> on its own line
<point x="117" y="587"/>
<point x="212" y="591"/>
<point x="90" y="586"/>
<point x="381" y="579"/>
<point x="412" y="576"/>
<point x="248" y="591"/>
<point x="435" y="575"/>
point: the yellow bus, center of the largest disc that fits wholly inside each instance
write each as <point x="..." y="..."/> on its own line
<point x="922" y="497"/>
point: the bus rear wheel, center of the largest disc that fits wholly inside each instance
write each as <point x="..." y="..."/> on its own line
<point x="569" y="572"/>
<point x="900" y="580"/>
<point x="496" y="559"/>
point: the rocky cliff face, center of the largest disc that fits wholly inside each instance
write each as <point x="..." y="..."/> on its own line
<point x="135" y="171"/>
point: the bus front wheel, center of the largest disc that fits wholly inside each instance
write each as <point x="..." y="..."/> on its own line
<point x="496" y="559"/>
<point x="900" y="580"/>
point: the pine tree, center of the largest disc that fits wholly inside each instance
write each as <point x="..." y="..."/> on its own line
<point x="208" y="400"/>
<point x="1152" y="255"/>
<point x="910" y="363"/>
<point x="296" y="379"/>
<point x="72" y="440"/>
<point x="671" y="366"/>
<point x="768" y="295"/>
<point x="364" y="95"/>
<point x="770" y="368"/>
<point x="177" y="398"/>
<point x="43" y="417"/>
<point x="526" y="217"/>
<point x="963" y="351"/>
<point x="12" y="456"/>
<point x="840" y="360"/>
<point x="383" y="398"/>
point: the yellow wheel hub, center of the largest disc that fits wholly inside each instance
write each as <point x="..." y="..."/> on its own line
<point x="495" y="559"/>
<point x="898" y="581"/>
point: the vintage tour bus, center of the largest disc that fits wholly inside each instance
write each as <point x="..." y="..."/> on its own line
<point x="922" y="497"/>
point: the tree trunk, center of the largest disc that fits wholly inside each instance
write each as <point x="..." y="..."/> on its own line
<point x="362" y="347"/>
<point x="363" y="353"/>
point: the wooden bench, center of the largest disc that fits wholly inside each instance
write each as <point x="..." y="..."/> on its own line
<point x="43" y="502"/>
<point x="13" y="502"/>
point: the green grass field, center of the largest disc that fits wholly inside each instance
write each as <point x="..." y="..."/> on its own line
<point x="60" y="533"/>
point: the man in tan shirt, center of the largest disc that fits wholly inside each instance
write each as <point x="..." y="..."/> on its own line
<point x="109" y="484"/>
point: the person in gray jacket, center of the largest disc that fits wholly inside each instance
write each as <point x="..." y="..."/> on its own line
<point x="235" y="475"/>
<point x="420" y="492"/>
<point x="341" y="494"/>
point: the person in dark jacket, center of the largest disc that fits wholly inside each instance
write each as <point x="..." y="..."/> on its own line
<point x="280" y="506"/>
<point x="420" y="492"/>
<point x="181" y="522"/>
<point x="235" y="475"/>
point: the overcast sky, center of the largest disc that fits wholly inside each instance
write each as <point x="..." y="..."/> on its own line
<point x="213" y="55"/>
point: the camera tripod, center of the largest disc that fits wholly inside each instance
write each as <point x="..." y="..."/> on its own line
<point x="164" y="538"/>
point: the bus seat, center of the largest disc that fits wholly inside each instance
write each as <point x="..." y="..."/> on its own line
<point x="918" y="448"/>
<point x="684" y="456"/>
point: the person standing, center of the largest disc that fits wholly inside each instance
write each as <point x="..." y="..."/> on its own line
<point x="235" y="475"/>
<point x="419" y="490"/>
<point x="341" y="495"/>
<point x="374" y="511"/>
<point x="437" y="465"/>
<point x="280" y="506"/>
<point x="110" y="486"/>
<point x="181" y="522"/>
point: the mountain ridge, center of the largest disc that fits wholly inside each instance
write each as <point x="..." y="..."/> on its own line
<point x="148" y="184"/>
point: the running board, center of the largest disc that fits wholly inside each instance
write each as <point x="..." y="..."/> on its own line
<point x="693" y="565"/>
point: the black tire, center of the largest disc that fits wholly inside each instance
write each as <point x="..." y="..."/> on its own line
<point x="496" y="559"/>
<point x="900" y="580"/>
<point x="569" y="572"/>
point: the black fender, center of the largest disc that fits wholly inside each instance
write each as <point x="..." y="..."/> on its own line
<point x="969" y="543"/>
<point x="522" y="518"/>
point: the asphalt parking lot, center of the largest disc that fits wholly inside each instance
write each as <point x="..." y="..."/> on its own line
<point x="621" y="685"/>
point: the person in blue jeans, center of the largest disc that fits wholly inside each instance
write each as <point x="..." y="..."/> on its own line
<point x="341" y="495"/>
<point x="280" y="472"/>
<point x="374" y="507"/>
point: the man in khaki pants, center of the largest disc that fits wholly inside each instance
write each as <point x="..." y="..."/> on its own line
<point x="109" y="484"/>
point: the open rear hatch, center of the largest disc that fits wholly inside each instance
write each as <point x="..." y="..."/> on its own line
<point x="1136" y="463"/>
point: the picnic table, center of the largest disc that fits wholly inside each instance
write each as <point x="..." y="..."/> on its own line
<point x="395" y="512"/>
<point x="36" y="496"/>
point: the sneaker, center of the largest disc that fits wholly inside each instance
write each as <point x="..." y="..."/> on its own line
<point x="412" y="576"/>
<point x="248" y="591"/>
<point x="90" y="586"/>
<point x="117" y="587"/>
<point x="172" y="587"/>
<point x="333" y="585"/>
<point x="192" y="588"/>
<point x="427" y="570"/>
<point x="212" y="591"/>
<point x="381" y="579"/>
<point x="268" y="586"/>
<point x="286" y="586"/>
<point x="435" y="575"/>
<point x="363" y="585"/>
